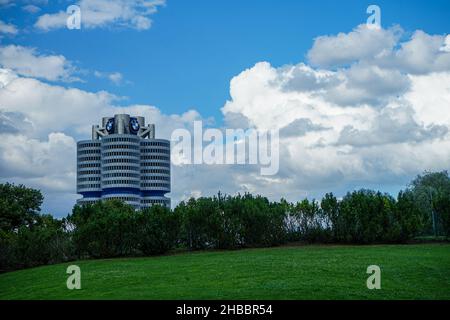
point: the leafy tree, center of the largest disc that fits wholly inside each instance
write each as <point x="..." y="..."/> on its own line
<point x="427" y="188"/>
<point x="199" y="221"/>
<point x="441" y="205"/>
<point x="157" y="230"/>
<point x="408" y="218"/>
<point x="104" y="229"/>
<point x="27" y="238"/>
<point x="366" y="216"/>
<point x="19" y="206"/>
<point x="8" y="256"/>
<point x="45" y="243"/>
<point x="330" y="210"/>
<point x="230" y="222"/>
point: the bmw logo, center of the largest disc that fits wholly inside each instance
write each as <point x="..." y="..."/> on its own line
<point x="110" y="126"/>
<point x="134" y="125"/>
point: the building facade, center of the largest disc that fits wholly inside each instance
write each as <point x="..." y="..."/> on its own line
<point x="124" y="161"/>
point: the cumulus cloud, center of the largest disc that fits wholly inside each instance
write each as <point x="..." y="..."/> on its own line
<point x="13" y="122"/>
<point x="361" y="43"/>
<point x="392" y="125"/>
<point x="446" y="46"/>
<point x="421" y="53"/>
<point x="50" y="106"/>
<point x="25" y="157"/>
<point x="302" y="77"/>
<point x="372" y="108"/>
<point x="365" y="83"/>
<point x="46" y="164"/>
<point x="8" y="28"/>
<point x="300" y="127"/>
<point x="359" y="83"/>
<point x="31" y="8"/>
<point x="105" y="13"/>
<point x="114" y="77"/>
<point x="29" y="62"/>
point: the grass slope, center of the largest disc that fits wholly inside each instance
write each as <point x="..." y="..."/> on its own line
<point x="308" y="272"/>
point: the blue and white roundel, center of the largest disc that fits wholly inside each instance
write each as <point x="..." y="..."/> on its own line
<point x="110" y="125"/>
<point x="134" y="125"/>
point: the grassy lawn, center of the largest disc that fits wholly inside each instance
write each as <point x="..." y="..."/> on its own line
<point x="306" y="272"/>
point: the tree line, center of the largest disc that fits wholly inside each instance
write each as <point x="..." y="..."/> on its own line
<point x="114" y="229"/>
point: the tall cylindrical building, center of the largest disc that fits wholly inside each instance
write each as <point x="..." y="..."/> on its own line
<point x="89" y="170"/>
<point x="124" y="161"/>
<point x="155" y="171"/>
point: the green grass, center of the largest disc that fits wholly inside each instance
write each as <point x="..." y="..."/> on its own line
<point x="304" y="272"/>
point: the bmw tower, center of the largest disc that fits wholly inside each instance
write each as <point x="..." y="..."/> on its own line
<point x="124" y="161"/>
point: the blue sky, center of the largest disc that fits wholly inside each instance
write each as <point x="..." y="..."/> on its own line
<point x="193" y="49"/>
<point x="355" y="107"/>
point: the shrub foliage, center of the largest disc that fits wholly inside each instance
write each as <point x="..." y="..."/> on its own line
<point x="114" y="229"/>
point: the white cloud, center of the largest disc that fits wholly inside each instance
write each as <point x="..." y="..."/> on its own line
<point x="344" y="48"/>
<point x="393" y="124"/>
<point x="114" y="77"/>
<point x="8" y="28"/>
<point x="31" y="8"/>
<point x="446" y="46"/>
<point x="28" y="62"/>
<point x="48" y="165"/>
<point x="105" y="13"/>
<point x="376" y="116"/>
<point x="430" y="96"/>
<point x="48" y="21"/>
<point x="50" y="107"/>
<point x="421" y="53"/>
<point x="26" y="157"/>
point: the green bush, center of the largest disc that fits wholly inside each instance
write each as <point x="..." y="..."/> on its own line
<point x="19" y="206"/>
<point x="231" y="222"/>
<point x="114" y="229"/>
<point x="104" y="229"/>
<point x="45" y="243"/>
<point x="409" y="220"/>
<point x="441" y="205"/>
<point x="431" y="190"/>
<point x="157" y="230"/>
<point x="8" y="257"/>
